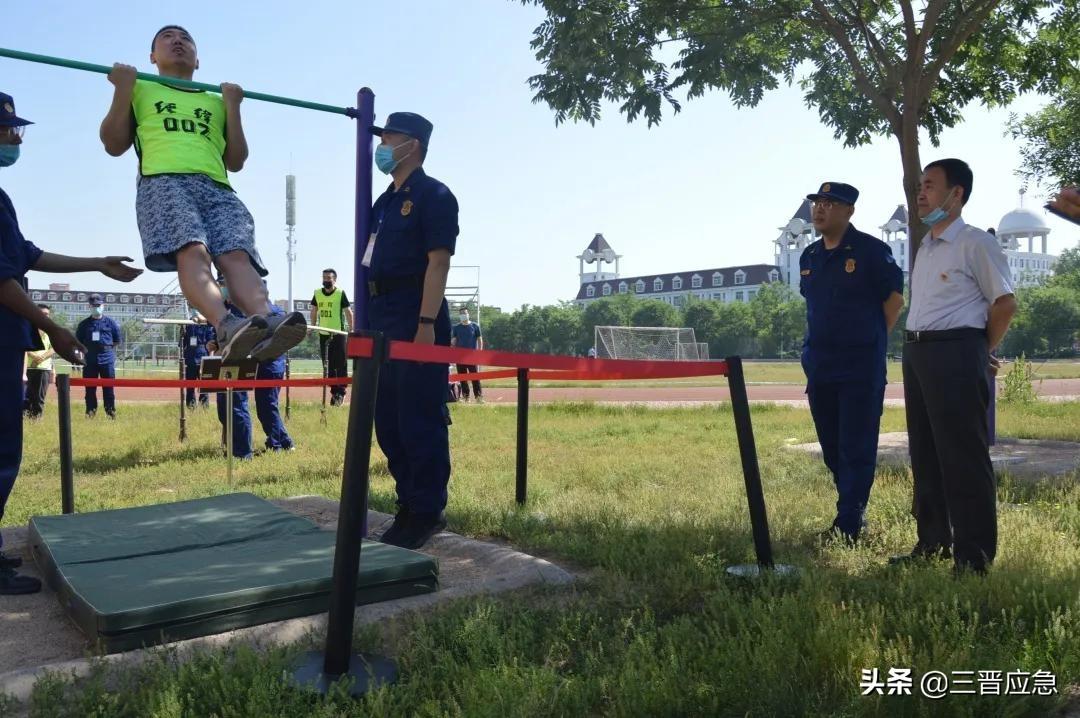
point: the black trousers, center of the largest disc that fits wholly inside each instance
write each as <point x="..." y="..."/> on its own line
<point x="955" y="495"/>
<point x="37" y="388"/>
<point x="469" y="369"/>
<point x="332" y="352"/>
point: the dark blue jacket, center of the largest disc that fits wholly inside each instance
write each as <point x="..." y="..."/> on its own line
<point x="101" y="351"/>
<point x="17" y="256"/>
<point x="844" y="289"/>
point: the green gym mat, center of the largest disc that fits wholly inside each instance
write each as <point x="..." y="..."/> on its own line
<point x="148" y="575"/>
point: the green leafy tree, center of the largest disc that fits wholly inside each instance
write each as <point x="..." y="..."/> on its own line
<point x="871" y="68"/>
<point x="654" y="313"/>
<point x="613" y="311"/>
<point x="733" y="331"/>
<point x="779" y="317"/>
<point x="1067" y="270"/>
<point x="1051" y="151"/>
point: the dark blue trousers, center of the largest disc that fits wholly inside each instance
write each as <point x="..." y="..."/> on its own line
<point x="847" y="416"/>
<point x="266" y="407"/>
<point x="410" y="411"/>
<point x="93" y="370"/>
<point x="11" y="422"/>
<point x="241" y="447"/>
<point x="191" y="371"/>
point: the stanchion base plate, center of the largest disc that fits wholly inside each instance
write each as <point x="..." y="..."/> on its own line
<point x="754" y="570"/>
<point x="366" y="673"/>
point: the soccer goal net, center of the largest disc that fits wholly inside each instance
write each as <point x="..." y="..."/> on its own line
<point x="669" y="343"/>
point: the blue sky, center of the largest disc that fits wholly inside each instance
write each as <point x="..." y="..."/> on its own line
<point x="708" y="187"/>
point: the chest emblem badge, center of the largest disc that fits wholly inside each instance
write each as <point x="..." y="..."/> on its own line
<point x="849" y="266"/>
<point x="805" y="272"/>
<point x="406" y="208"/>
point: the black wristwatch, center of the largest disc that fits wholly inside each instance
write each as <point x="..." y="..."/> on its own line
<point x="427" y="320"/>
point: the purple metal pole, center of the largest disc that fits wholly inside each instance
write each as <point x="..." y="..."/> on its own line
<point x="365" y="118"/>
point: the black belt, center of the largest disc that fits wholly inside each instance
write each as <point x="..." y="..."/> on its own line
<point x="943" y="335"/>
<point x="376" y="287"/>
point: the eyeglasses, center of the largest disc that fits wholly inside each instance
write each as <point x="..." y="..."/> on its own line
<point x="825" y="203"/>
<point x="13" y="131"/>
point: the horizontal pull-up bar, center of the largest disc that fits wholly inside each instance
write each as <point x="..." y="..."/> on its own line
<point x="173" y="81"/>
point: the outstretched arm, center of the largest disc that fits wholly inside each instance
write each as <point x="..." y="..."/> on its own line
<point x="112" y="267"/>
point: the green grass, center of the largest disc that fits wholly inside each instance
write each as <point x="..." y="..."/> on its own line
<point x="649" y="505"/>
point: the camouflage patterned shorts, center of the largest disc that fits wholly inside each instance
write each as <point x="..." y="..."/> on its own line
<point x="174" y="210"/>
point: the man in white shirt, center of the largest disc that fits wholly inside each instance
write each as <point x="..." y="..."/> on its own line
<point x="961" y="305"/>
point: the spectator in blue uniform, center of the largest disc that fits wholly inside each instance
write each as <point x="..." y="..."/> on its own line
<point x="854" y="294"/>
<point x="20" y="321"/>
<point x="415" y="228"/>
<point x="193" y="342"/>
<point x="266" y="400"/>
<point x="100" y="335"/>
<point x="467" y="335"/>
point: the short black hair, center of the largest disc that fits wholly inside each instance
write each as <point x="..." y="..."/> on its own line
<point x="956" y="172"/>
<point x="44" y="306"/>
<point x="169" y="27"/>
<point x="330" y="270"/>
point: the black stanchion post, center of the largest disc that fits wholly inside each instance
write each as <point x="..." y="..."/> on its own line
<point x="67" y="468"/>
<point x="755" y="497"/>
<point x="287" y="377"/>
<point x="522" y="488"/>
<point x="183" y="401"/>
<point x="325" y="372"/>
<point x="320" y="670"/>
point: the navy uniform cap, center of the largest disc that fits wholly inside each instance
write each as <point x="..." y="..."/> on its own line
<point x="8" y="118"/>
<point x="836" y="190"/>
<point x="406" y="123"/>
<point x="95" y="300"/>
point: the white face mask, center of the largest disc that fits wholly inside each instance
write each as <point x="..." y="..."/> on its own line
<point x="464" y="317"/>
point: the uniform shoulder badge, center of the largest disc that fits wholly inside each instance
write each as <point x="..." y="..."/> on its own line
<point x="406" y="207"/>
<point x="849" y="266"/>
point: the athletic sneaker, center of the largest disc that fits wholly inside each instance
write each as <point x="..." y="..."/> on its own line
<point x="284" y="331"/>
<point x="237" y="337"/>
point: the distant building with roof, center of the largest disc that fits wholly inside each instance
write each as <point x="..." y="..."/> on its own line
<point x="721" y="284"/>
<point x="1021" y="232"/>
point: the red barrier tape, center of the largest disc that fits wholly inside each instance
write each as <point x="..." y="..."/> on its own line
<point x="209" y="383"/>
<point x="485" y="375"/>
<point x="360" y="347"/>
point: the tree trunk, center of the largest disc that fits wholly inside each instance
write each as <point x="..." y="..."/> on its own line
<point x="909" y="158"/>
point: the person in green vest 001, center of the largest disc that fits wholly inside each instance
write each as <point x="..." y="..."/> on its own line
<point x="330" y="309"/>
<point x="39" y="372"/>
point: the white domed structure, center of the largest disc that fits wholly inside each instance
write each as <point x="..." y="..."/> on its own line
<point x="1030" y="265"/>
<point x="1022" y="222"/>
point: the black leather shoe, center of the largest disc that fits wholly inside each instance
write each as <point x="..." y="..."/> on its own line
<point x="9" y="561"/>
<point x="12" y="584"/>
<point x="834" y="534"/>
<point x="418" y="530"/>
<point x="922" y="553"/>
<point x="401" y="519"/>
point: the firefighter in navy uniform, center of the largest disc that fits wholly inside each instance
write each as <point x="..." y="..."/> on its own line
<point x="414" y="232"/>
<point x="854" y="294"/>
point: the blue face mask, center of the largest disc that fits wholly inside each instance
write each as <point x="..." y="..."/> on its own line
<point x="936" y="215"/>
<point x="98" y="312"/>
<point x="9" y="155"/>
<point x="384" y="158"/>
